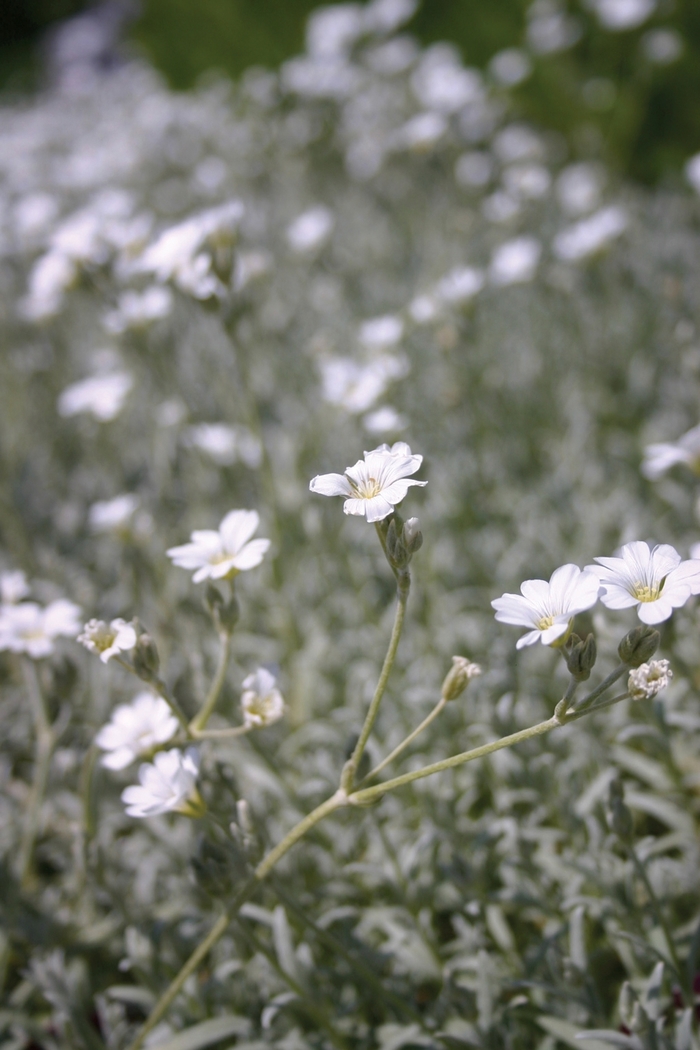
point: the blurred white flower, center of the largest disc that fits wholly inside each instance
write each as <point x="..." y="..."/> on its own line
<point x="423" y="309"/>
<point x="517" y="142"/>
<point x="357" y="386"/>
<point x="108" y="640"/>
<point x="590" y="235"/>
<point x="102" y="396"/>
<point x="548" y="608"/>
<point x="29" y="628"/>
<point x="500" y="207"/>
<point x="661" y="457"/>
<point x="331" y="31"/>
<point x="460" y="285"/>
<point x="516" y="261"/>
<point x="310" y="230"/>
<point x="421" y="132"/>
<point x="167" y="785"/>
<point x="217" y="554"/>
<point x="662" y="46"/>
<point x="49" y="279"/>
<point x="249" y="267"/>
<point x="649" y="679"/>
<point x="381" y="332"/>
<point x="527" y="181"/>
<point x="373" y="486"/>
<point x="384" y="419"/>
<point x="692" y="172"/>
<point x="440" y="82"/>
<point x="550" y="29"/>
<point x="138" y="309"/>
<point x="13" y="587"/>
<point x="261" y="700"/>
<point x="217" y="440"/>
<point x="655" y="580"/>
<point x="510" y="67"/>
<point x="109" y="514"/>
<point x="179" y="254"/>
<point x="618" y="15"/>
<point x="579" y="188"/>
<point x="134" y="729"/>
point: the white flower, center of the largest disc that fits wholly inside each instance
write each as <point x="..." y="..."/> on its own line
<point x="618" y="15"/>
<point x="102" y="396"/>
<point x="548" y="607"/>
<point x="108" y="640"/>
<point x="381" y="332"/>
<point x="138" y="309"/>
<point x="692" y="172"/>
<point x="515" y="262"/>
<point x="527" y="181"/>
<point x="27" y="628"/>
<point x="261" y="700"/>
<point x="474" y="169"/>
<point x="441" y="83"/>
<point x="13" y="587"/>
<point x="358" y="386"/>
<point x="578" y="188"/>
<point x="660" y="458"/>
<point x="225" y="444"/>
<point x="384" y="419"/>
<point x="649" y="679"/>
<point x="134" y="729"/>
<point x="590" y="235"/>
<point x="373" y="486"/>
<point x="460" y="285"/>
<point x="510" y="67"/>
<point x="421" y="132"/>
<point x="656" y="581"/>
<point x="310" y="230"/>
<point x="168" y="784"/>
<point x="109" y="514"/>
<point x="50" y="278"/>
<point x="216" y="554"/>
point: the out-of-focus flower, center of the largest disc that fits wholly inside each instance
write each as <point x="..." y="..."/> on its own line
<point x="460" y="285"/>
<point x="661" y="457"/>
<point x="13" y="587"/>
<point x="134" y="729"/>
<point x="510" y="67"/>
<point x="619" y="15"/>
<point x="112" y="514"/>
<point x="50" y="278"/>
<point x="590" y="235"/>
<point x="649" y="679"/>
<point x="29" y="628"/>
<point x="655" y="580"/>
<point x="167" y="785"/>
<point x="474" y="169"/>
<point x="579" y="188"/>
<point x="225" y="444"/>
<point x="441" y="82"/>
<point x="527" y="181"/>
<point x="548" y="608"/>
<point x="516" y="261"/>
<point x="381" y="332"/>
<point x="549" y="29"/>
<point x="108" y="639"/>
<point x="662" y="46"/>
<point x="310" y="230"/>
<point x="383" y="420"/>
<point x="421" y="132"/>
<point x="221" y="553"/>
<point x="102" y="396"/>
<point x="357" y="386"/>
<point x="692" y="172"/>
<point x="261" y="700"/>
<point x="138" y="309"/>
<point x="375" y="484"/>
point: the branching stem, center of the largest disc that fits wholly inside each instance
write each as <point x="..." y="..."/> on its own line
<point x="439" y="707"/>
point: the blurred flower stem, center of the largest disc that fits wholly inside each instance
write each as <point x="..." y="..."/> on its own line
<point x="439" y="707"/>
<point x="200" y="720"/>
<point x="45" y="744"/>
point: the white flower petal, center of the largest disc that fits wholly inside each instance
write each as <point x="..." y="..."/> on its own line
<point x="237" y="528"/>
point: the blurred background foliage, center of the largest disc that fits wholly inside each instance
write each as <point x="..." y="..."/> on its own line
<point x="627" y="97"/>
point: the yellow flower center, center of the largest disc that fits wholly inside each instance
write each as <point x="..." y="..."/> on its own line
<point x="644" y="593"/>
<point x="545" y="623"/>
<point x="367" y="489"/>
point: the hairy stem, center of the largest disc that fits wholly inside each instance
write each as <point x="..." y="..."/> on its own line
<point x="439" y="707"/>
<point x="351" y="766"/>
<point x="200" y="720"/>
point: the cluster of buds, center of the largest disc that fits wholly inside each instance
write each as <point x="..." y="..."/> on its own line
<point x="401" y="541"/>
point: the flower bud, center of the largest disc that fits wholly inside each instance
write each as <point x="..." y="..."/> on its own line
<point x="458" y="677"/>
<point x="225" y="614"/>
<point x="649" y="679"/>
<point x="638" y="645"/>
<point x="581" y="656"/>
<point x="145" y="657"/>
<point x="411" y="536"/>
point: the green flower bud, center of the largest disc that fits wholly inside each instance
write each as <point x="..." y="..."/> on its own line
<point x="411" y="536"/>
<point x="458" y="677"/>
<point x="639" y="645"/>
<point x="225" y="614"/>
<point x="145" y="657"/>
<point x="581" y="656"/>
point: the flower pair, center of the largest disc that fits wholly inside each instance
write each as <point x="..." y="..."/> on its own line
<point x="656" y="581"/>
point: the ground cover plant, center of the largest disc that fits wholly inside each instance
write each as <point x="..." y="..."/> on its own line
<point x="221" y="311"/>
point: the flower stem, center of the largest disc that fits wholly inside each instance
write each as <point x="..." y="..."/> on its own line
<point x="200" y="720"/>
<point x="600" y="689"/>
<point x="351" y="766"/>
<point x="439" y="707"/>
<point x="45" y="743"/>
<point x="219" y="734"/>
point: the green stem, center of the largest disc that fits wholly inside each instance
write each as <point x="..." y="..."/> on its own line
<point x="45" y="743"/>
<point x="351" y="766"/>
<point x="600" y="689"/>
<point x="336" y="801"/>
<point x="219" y="734"/>
<point x="441" y="704"/>
<point x="200" y="720"/>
